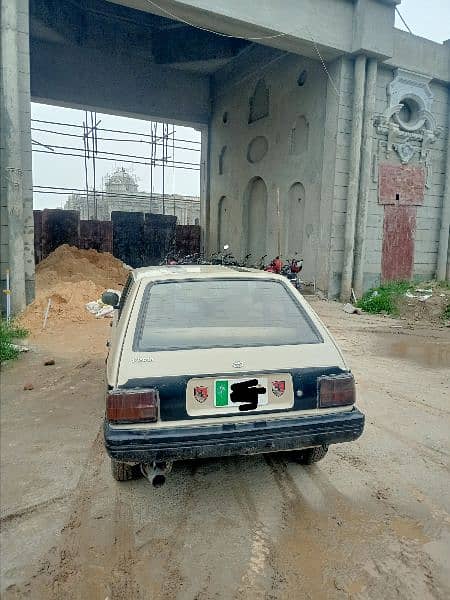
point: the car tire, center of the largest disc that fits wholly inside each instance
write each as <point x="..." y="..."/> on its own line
<point x="122" y="471"/>
<point x="311" y="455"/>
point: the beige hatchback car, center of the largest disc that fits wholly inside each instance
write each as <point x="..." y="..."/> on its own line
<point x="210" y="361"/>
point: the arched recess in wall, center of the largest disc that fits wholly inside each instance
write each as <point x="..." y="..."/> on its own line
<point x="255" y="215"/>
<point x="295" y="219"/>
<point x="259" y="102"/>
<point x="223" y="223"/>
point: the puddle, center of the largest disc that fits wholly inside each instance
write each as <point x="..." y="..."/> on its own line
<point x="426" y="353"/>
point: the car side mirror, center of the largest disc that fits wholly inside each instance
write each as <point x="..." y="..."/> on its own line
<point x="110" y="298"/>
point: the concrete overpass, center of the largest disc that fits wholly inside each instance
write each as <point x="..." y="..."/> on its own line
<point x="306" y="108"/>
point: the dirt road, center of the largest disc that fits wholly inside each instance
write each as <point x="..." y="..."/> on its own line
<point x="371" y="521"/>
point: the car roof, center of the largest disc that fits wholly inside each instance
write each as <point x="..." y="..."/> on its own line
<point x="200" y="272"/>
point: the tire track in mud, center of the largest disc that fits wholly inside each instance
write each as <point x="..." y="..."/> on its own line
<point x="60" y="574"/>
<point x="123" y="584"/>
<point x="432" y="454"/>
<point x="28" y="510"/>
<point x="319" y="534"/>
<point x="363" y="557"/>
<point x="171" y="579"/>
<point x="252" y="583"/>
<point x="293" y="504"/>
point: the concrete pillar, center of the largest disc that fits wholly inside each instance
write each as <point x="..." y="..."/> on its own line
<point x="443" y="266"/>
<point x="204" y="190"/>
<point x="364" y="180"/>
<point x="11" y="160"/>
<point x="353" y="183"/>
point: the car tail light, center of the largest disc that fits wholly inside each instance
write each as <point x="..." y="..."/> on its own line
<point x="336" y="390"/>
<point x="125" y="406"/>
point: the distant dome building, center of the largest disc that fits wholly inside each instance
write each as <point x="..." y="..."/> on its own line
<point x="121" y="182"/>
<point x="121" y="192"/>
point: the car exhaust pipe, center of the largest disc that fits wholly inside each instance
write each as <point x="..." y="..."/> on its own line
<point x="156" y="472"/>
<point x="157" y="478"/>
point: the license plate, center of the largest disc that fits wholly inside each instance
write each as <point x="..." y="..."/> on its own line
<point x="211" y="396"/>
<point x="223" y="390"/>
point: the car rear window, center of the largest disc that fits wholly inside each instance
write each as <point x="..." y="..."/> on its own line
<point x="220" y="313"/>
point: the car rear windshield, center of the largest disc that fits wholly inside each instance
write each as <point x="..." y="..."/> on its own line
<point x="220" y="313"/>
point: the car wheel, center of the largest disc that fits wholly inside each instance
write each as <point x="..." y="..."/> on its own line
<point x="123" y="472"/>
<point x="311" y="455"/>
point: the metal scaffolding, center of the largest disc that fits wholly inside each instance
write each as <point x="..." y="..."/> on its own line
<point x="161" y="139"/>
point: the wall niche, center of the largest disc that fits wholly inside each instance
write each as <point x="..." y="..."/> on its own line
<point x="257" y="149"/>
<point x="259" y="102"/>
<point x="299" y="136"/>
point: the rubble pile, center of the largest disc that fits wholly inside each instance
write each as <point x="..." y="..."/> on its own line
<point x="426" y="305"/>
<point x="70" y="278"/>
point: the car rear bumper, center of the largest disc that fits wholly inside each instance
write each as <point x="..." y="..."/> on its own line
<point x="164" y="444"/>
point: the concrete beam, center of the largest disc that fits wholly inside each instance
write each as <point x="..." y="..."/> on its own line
<point x="188" y="45"/>
<point x="292" y="25"/>
<point x="116" y="83"/>
<point x="373" y="25"/>
<point x="421" y="56"/>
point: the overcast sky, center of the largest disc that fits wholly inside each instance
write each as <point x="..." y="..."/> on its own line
<point x="429" y="19"/>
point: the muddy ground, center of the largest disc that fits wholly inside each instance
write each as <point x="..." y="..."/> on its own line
<point x="370" y="521"/>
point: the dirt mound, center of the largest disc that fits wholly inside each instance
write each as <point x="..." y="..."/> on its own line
<point x="71" y="264"/>
<point x="70" y="278"/>
<point x="426" y="311"/>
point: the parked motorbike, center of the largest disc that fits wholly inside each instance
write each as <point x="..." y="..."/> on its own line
<point x="291" y="271"/>
<point x="275" y="266"/>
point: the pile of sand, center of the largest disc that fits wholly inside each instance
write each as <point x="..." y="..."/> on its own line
<point x="70" y="278"/>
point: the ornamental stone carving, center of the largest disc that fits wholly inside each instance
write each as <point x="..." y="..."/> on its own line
<point x="407" y="122"/>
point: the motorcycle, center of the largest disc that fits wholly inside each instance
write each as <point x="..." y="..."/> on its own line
<point x="291" y="271"/>
<point x="275" y="266"/>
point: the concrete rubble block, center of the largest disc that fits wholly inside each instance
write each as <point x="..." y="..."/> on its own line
<point x="350" y="309"/>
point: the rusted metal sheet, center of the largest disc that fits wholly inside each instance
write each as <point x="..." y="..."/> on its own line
<point x="399" y="228"/>
<point x="128" y="235"/>
<point x="37" y="216"/>
<point x="59" y="227"/>
<point x="159" y="236"/>
<point x="96" y="235"/>
<point x="187" y="239"/>
<point x="138" y="239"/>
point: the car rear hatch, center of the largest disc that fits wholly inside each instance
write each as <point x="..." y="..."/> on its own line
<point x="244" y="368"/>
<point x="198" y="384"/>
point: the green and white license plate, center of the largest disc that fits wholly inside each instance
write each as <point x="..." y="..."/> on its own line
<point x="223" y="390"/>
<point x="207" y="396"/>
